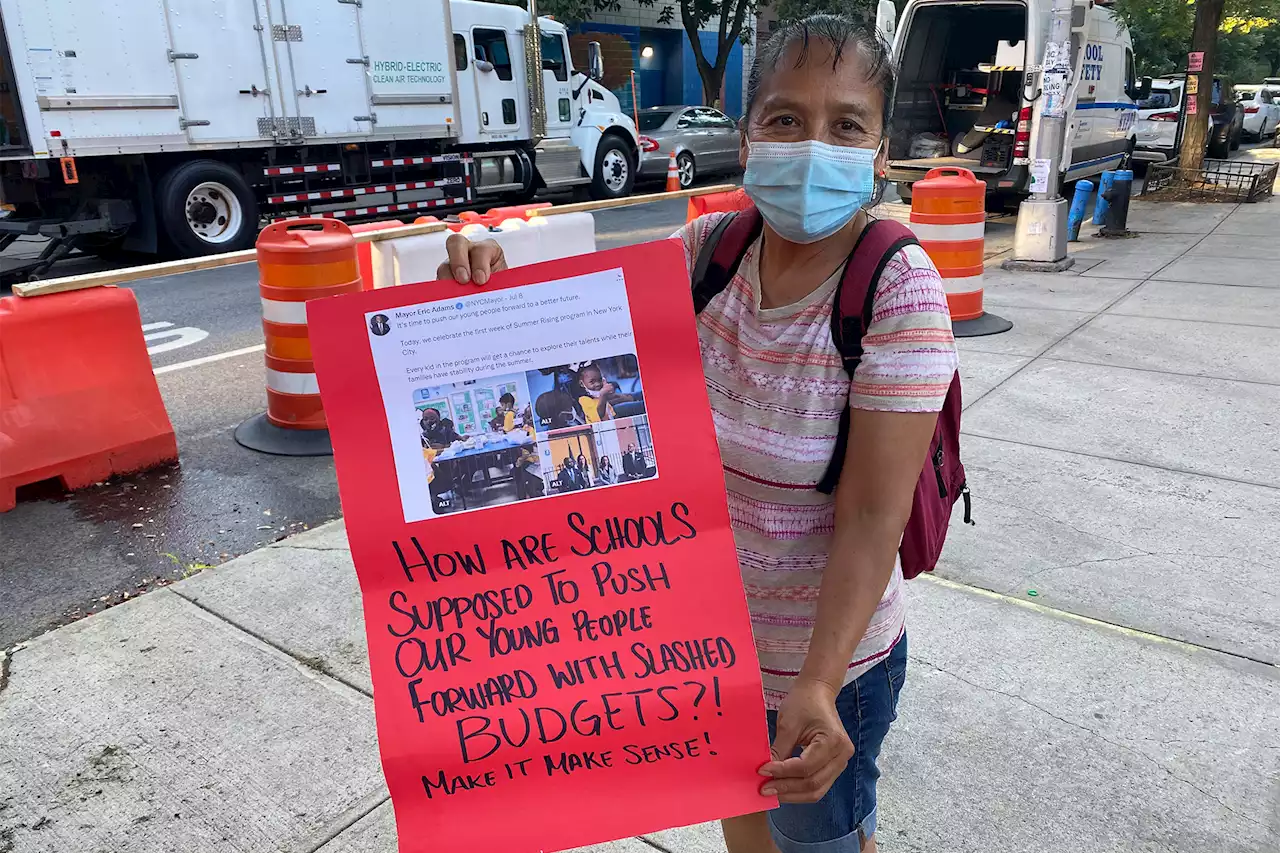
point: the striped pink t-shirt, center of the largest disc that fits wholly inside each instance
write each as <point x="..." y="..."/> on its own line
<point x="777" y="388"/>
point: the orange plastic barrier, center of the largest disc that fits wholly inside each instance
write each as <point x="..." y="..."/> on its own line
<point x="700" y="205"/>
<point x="495" y="216"/>
<point x="364" y="251"/>
<point x="78" y="398"/>
<point x="519" y="211"/>
<point x="948" y="215"/>
<point x="299" y="260"/>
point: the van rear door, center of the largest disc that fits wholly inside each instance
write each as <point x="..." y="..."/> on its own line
<point x="960" y="90"/>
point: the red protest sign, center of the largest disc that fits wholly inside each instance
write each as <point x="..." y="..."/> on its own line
<point x="1195" y="61"/>
<point x="533" y="495"/>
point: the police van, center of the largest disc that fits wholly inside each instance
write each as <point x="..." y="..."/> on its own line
<point x="970" y="94"/>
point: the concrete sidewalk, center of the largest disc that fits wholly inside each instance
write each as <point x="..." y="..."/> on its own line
<point x="1123" y="445"/>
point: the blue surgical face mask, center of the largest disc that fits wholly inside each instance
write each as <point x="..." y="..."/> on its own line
<point x="807" y="191"/>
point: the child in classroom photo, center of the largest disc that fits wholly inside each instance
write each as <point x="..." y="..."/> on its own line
<point x="599" y="395"/>
<point x="505" y="417"/>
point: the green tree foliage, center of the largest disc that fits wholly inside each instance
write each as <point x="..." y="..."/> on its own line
<point x="1161" y="31"/>
<point x="1269" y="50"/>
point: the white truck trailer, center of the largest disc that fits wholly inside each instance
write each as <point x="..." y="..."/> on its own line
<point x="179" y="126"/>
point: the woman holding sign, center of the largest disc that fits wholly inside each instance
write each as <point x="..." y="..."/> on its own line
<point x="821" y="571"/>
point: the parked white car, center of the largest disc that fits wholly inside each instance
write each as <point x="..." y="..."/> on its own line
<point x="1261" y="109"/>
<point x="1157" y="126"/>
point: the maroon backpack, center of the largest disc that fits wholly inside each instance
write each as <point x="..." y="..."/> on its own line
<point x="942" y="481"/>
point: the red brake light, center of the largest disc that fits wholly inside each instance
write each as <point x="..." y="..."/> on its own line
<point x="1250" y="110"/>
<point x="1022" y="135"/>
<point x="1170" y="116"/>
<point x="647" y="144"/>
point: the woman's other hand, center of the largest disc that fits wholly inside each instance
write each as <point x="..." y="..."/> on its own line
<point x="807" y="720"/>
<point x="471" y="262"/>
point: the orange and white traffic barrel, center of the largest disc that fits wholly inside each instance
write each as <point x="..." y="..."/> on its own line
<point x="948" y="216"/>
<point x="298" y="260"/>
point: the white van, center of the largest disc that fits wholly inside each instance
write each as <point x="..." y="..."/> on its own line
<point x="969" y="91"/>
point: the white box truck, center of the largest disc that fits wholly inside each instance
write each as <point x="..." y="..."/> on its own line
<point x="179" y="126"/>
<point x="969" y="91"/>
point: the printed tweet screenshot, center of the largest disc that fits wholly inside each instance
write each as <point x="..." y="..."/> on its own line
<point x="512" y="395"/>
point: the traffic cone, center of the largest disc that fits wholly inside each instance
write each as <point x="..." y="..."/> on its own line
<point x="673" y="175"/>
<point x="948" y="216"/>
<point x="298" y="260"/>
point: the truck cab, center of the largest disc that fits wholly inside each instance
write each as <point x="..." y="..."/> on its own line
<point x="969" y="91"/>
<point x="585" y="124"/>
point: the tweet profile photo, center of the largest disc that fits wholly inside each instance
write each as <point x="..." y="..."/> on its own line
<point x="379" y="325"/>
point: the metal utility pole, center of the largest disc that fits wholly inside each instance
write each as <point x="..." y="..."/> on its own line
<point x="1040" y="239"/>
<point x="533" y="58"/>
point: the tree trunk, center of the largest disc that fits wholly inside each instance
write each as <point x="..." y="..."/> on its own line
<point x="712" y="82"/>
<point x="1204" y="38"/>
<point x="732" y="16"/>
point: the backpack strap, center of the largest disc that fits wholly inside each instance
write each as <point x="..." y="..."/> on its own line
<point x="852" y="310"/>
<point x="720" y="255"/>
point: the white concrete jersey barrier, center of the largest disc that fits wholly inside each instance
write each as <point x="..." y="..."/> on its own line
<point x="405" y="260"/>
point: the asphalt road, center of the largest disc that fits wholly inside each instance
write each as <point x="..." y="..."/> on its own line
<point x="64" y="557"/>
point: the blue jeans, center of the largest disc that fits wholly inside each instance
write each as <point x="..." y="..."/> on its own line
<point x="843" y="819"/>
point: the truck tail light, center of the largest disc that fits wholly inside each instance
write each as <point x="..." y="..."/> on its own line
<point x="1022" y="136"/>
<point x="1169" y="116"/>
<point x="648" y="144"/>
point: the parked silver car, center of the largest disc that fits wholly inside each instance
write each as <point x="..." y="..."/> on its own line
<point x="705" y="141"/>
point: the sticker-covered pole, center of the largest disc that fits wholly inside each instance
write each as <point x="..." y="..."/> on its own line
<point x="1040" y="239"/>
<point x="1056" y="88"/>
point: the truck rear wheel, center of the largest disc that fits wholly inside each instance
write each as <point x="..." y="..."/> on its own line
<point x="205" y="207"/>
<point x="615" y="172"/>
